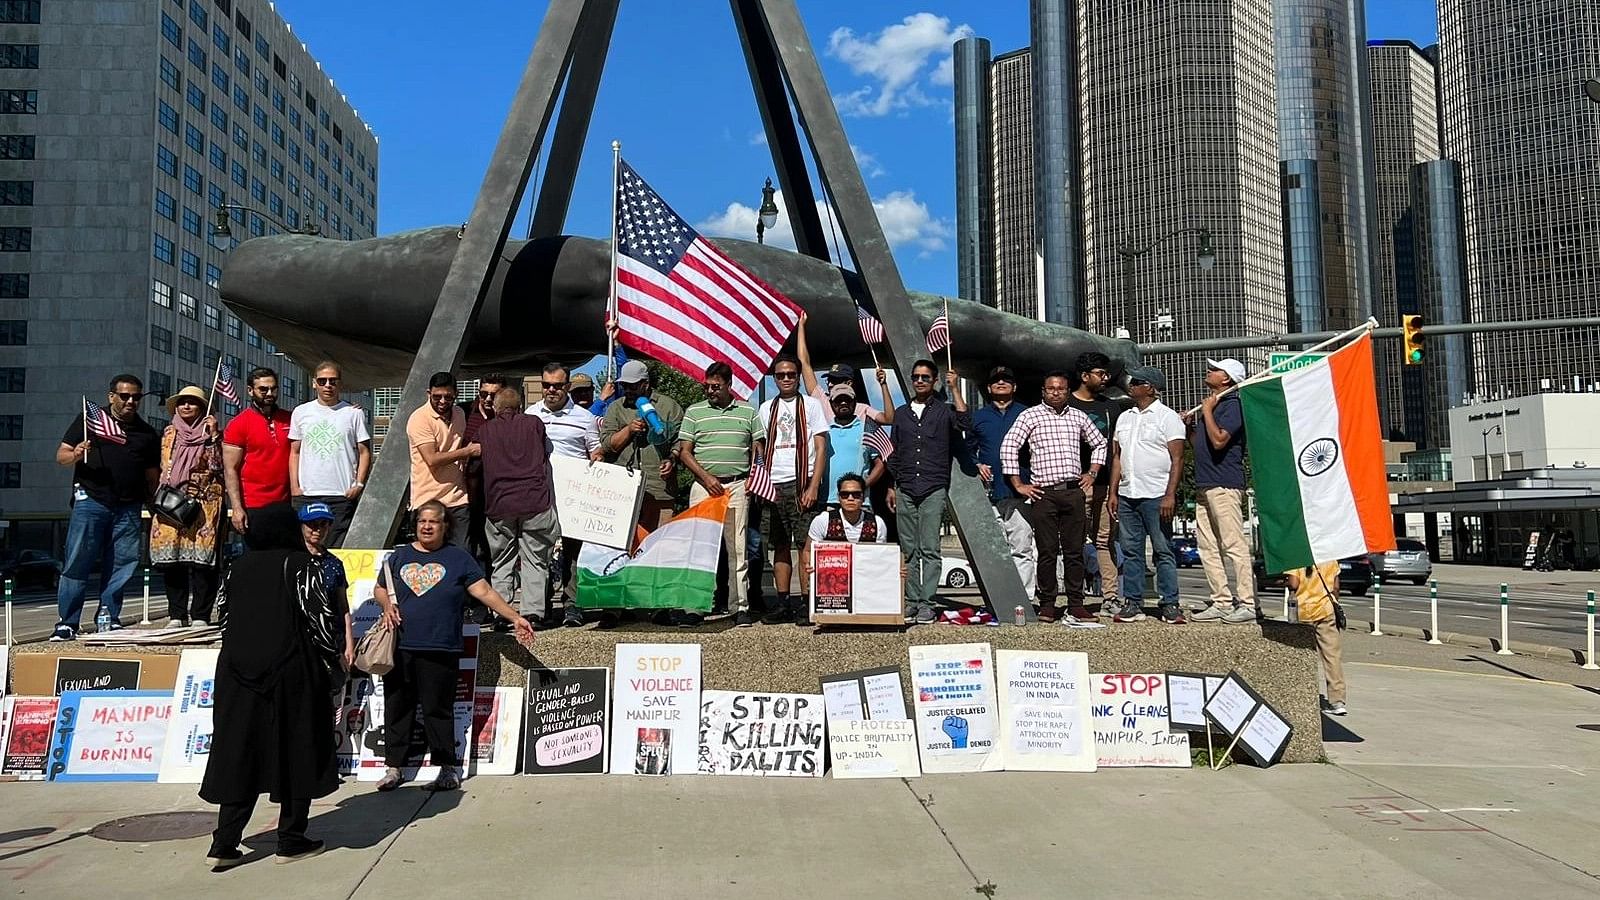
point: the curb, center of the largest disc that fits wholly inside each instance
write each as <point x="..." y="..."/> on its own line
<point x="1476" y="642"/>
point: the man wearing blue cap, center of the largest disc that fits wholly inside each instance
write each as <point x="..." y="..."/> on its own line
<point x="1146" y="464"/>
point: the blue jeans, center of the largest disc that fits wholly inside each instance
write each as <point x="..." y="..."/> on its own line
<point x="98" y="533"/>
<point x="1141" y="518"/>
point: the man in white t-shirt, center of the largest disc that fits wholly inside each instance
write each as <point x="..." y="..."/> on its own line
<point x="1146" y="463"/>
<point x="330" y="452"/>
<point x="796" y="427"/>
<point x="574" y="432"/>
<point x="851" y="522"/>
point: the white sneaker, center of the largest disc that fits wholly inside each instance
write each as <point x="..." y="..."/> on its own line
<point x="1240" y="615"/>
<point x="1337" y="708"/>
<point x="177" y="623"/>
<point x="199" y="623"/>
<point x="1212" y="613"/>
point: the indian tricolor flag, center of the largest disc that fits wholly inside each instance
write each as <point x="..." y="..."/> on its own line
<point x="675" y="566"/>
<point x="1316" y="458"/>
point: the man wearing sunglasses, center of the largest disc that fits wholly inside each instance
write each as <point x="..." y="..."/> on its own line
<point x="574" y="432"/>
<point x="926" y="432"/>
<point x="796" y="428"/>
<point x="989" y="427"/>
<point x="112" y="480"/>
<point x="720" y="438"/>
<point x="330" y="452"/>
<point x="255" y="453"/>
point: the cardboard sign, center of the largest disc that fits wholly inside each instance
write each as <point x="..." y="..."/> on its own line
<point x="361" y="568"/>
<point x="1130" y="722"/>
<point x="354" y="726"/>
<point x="1187" y="694"/>
<point x="1044" y="711"/>
<point x="957" y="720"/>
<point x="597" y="503"/>
<point x="655" y="728"/>
<point x="496" y="731"/>
<point x="1265" y="737"/>
<point x="1232" y="704"/>
<point x="865" y="694"/>
<point x="109" y="736"/>
<point x="420" y="765"/>
<point x="567" y="712"/>
<point x="761" y="734"/>
<point x="855" y="584"/>
<point x="27" y="747"/>
<point x="188" y="745"/>
<point x="35" y="674"/>
<point x="96" y="673"/>
<point x="873" y="748"/>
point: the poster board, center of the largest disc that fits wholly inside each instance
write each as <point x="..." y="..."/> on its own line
<point x="354" y="727"/>
<point x="873" y="748"/>
<point x="597" y="502"/>
<point x="1130" y="722"/>
<point x="1231" y="705"/>
<point x="420" y="765"/>
<point x="749" y="733"/>
<point x="952" y="686"/>
<point x="1266" y="735"/>
<point x="188" y="745"/>
<point x="27" y="746"/>
<point x="1044" y="711"/>
<point x="109" y="736"/>
<point x="864" y="694"/>
<point x="361" y="568"/>
<point x="655" y="725"/>
<point x="496" y="731"/>
<point x="566" y="721"/>
<point x="1187" y="693"/>
<point x="856" y="584"/>
<point x="35" y="674"/>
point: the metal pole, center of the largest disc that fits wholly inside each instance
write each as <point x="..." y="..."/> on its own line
<point x="1301" y="338"/>
<point x="10" y="583"/>
<point x="146" y="619"/>
<point x="1588" y="665"/>
<point x="1285" y="366"/>
<point x="1505" y="622"/>
<point x="1377" y="603"/>
<point x="1127" y="286"/>
<point x="1433" y="612"/>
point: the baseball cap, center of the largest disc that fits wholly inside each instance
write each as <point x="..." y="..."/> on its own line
<point x="579" y="380"/>
<point x="1001" y="373"/>
<point x="840" y="372"/>
<point x="1232" y="367"/>
<point x="841" y="390"/>
<point x="633" y="372"/>
<point x="1149" y="375"/>
<point x="316" y="512"/>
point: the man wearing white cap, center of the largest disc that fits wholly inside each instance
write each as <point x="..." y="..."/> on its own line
<point x="1217" y="434"/>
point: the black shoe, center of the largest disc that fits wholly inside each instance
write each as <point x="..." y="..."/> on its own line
<point x="573" y="618"/>
<point x="782" y="614"/>
<point x="689" y="619"/>
<point x="801" y="608"/>
<point x="1172" y="615"/>
<point x="608" y="620"/>
<point x="297" y="849"/>
<point x="219" y="858"/>
<point x="744" y="619"/>
<point x="662" y="617"/>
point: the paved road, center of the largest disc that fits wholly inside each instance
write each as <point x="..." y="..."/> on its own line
<point x="33" y="613"/>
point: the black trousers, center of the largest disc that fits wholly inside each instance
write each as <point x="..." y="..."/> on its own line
<point x="425" y="678"/>
<point x="232" y="818"/>
<point x="1058" y="519"/>
<point x="191" y="589"/>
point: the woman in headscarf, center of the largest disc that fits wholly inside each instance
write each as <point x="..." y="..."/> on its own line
<point x="282" y="651"/>
<point x="191" y="461"/>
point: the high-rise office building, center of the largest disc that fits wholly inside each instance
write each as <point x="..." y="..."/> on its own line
<point x="1058" y="219"/>
<point x="1016" y="254"/>
<point x="1439" y="241"/>
<point x="124" y="126"/>
<point x="974" y="172"/>
<point x="1528" y="140"/>
<point x="1326" y="153"/>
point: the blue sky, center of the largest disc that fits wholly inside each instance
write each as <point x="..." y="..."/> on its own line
<point x="436" y="84"/>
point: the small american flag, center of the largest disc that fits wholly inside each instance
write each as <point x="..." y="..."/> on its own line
<point x="224" y="385"/>
<point x="760" y="482"/>
<point x="939" y="334"/>
<point x="101" y="424"/>
<point x="878" y="440"/>
<point x="871" y="329"/>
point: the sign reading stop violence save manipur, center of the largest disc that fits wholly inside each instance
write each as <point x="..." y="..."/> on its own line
<point x="655" y="724"/>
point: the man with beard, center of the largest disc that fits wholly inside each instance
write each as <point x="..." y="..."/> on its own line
<point x="255" y="453"/>
<point x="1094" y="376"/>
<point x="989" y="427"/>
<point x="439" y="453"/>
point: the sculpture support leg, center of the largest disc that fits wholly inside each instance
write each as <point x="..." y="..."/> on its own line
<point x="572" y="127"/>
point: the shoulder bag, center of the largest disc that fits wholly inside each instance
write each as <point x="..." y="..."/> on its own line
<point x="174" y="506"/>
<point x="375" y="651"/>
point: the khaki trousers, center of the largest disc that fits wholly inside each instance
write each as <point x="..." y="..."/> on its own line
<point x="1219" y="519"/>
<point x="733" y="540"/>
<point x="1329" y="648"/>
<point x="1101" y="526"/>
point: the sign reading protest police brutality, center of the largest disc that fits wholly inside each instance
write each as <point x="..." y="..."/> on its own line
<point x="761" y="734"/>
<point x="1044" y="711"/>
<point x="957" y="724"/>
<point x="1130" y="722"/>
<point x="566" y="733"/>
<point x="188" y="746"/>
<point x="597" y="503"/>
<point x="855" y="584"/>
<point x="873" y="748"/>
<point x="655" y="725"/>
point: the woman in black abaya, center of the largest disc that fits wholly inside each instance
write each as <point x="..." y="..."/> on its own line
<point x="282" y="652"/>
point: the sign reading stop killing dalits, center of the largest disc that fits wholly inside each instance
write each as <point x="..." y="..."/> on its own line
<point x="655" y="726"/>
<point x="761" y="734"/>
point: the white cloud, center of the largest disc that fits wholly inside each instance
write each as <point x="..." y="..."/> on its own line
<point x="758" y="138"/>
<point x="869" y="165"/>
<point x="896" y="58"/>
<point x="905" y="220"/>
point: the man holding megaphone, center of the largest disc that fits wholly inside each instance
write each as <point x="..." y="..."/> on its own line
<point x="639" y="431"/>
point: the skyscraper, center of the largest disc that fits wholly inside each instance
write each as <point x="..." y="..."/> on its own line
<point x="1016" y="268"/>
<point x="124" y="126"/>
<point x="1439" y="238"/>
<point x="974" y="172"/>
<point x="1056" y="164"/>
<point x="1528" y="141"/>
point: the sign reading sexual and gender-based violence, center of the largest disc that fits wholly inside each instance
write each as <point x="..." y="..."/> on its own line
<point x="566" y="731"/>
<point x="109" y="736"/>
<point x="188" y="747"/>
<point x="1130" y="722"/>
<point x="361" y="569"/>
<point x="952" y="686"/>
<point x="598" y="503"/>
<point x="96" y="673"/>
<point x="33" y="722"/>
<point x="1044" y="711"/>
<point x="655" y="725"/>
<point x="761" y="734"/>
<point x="420" y="765"/>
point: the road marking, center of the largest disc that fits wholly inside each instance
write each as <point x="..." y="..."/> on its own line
<point x="1456" y="809"/>
<point x="1464" y="616"/>
<point x="1514" y="678"/>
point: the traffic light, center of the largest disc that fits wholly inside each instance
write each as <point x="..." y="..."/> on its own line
<point x="1412" y="337"/>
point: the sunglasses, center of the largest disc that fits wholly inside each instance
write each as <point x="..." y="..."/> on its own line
<point x="187" y="401"/>
<point x="1137" y="382"/>
<point x="327" y="382"/>
<point x="851" y="495"/>
<point x="922" y="378"/>
<point x="1098" y="373"/>
<point x="486" y="395"/>
<point x="785" y="376"/>
<point x="128" y="398"/>
<point x="554" y="385"/>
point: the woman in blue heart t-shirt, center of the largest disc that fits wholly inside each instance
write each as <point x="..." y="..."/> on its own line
<point x="423" y="591"/>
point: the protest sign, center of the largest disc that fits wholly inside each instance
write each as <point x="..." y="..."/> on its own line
<point x="188" y="744"/>
<point x="361" y="568"/>
<point x="27" y="747"/>
<point x="419" y="765"/>
<point x="353" y="725"/>
<point x="761" y="734"/>
<point x="855" y="584"/>
<point x="957" y="724"/>
<point x="866" y="694"/>
<point x="96" y="673"/>
<point x="1130" y="722"/>
<point x="1044" y="711"/>
<point x="873" y="748"/>
<point x="1231" y="704"/>
<point x="566" y="733"/>
<point x="655" y="726"/>
<point x="597" y="503"/>
<point x="1266" y="735"/>
<point x="109" y="736"/>
<point x="1187" y="694"/>
<point x="496" y="731"/>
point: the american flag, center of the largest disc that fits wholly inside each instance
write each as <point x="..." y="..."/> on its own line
<point x="871" y="329"/>
<point x="101" y="424"/>
<point x="760" y="482"/>
<point x="683" y="301"/>
<point x="939" y="334"/>
<point x="224" y="385"/>
<point x="878" y="440"/>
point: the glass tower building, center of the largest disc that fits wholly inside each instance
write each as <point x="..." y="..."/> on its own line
<point x="974" y="172"/>
<point x="1016" y="255"/>
<point x="1055" y="158"/>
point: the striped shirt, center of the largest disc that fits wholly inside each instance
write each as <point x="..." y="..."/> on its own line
<point x="573" y="430"/>
<point x="1055" y="441"/>
<point x="722" y="437"/>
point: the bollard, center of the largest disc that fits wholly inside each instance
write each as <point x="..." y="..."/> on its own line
<point x="1590" y="616"/>
<point x="1377" y="603"/>
<point x="146" y="619"/>
<point x="10" y="582"/>
<point x="1433" y="611"/>
<point x="1505" y="623"/>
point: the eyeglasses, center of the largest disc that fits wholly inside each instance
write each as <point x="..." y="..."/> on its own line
<point x="554" y="385"/>
<point x="264" y="390"/>
<point x="1137" y="382"/>
<point x="785" y="376"/>
<point x="851" y="495"/>
<point x="486" y="395"/>
<point x="922" y="378"/>
<point x="327" y="382"/>
<point x="128" y="398"/>
<point x="1098" y="373"/>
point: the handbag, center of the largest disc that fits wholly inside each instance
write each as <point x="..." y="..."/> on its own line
<point x="375" y="651"/>
<point x="176" y="507"/>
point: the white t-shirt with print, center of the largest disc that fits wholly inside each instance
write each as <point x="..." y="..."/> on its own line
<point x="328" y="437"/>
<point x="782" y="452"/>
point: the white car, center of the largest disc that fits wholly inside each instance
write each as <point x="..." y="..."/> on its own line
<point x="957" y="573"/>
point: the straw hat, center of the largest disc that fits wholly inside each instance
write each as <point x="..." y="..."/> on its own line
<point x="190" y="391"/>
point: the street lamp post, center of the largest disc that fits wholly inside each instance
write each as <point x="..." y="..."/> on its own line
<point x="223" y="230"/>
<point x="1488" y="470"/>
<point x="767" y="216"/>
<point x="1206" y="258"/>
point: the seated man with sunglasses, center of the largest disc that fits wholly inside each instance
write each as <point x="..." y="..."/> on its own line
<point x="330" y="452"/>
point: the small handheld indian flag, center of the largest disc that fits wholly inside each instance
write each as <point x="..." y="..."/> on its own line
<point x="1316" y="454"/>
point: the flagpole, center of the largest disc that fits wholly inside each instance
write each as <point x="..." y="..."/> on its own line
<point x="611" y="306"/>
<point x="85" y="420"/>
<point x="1270" y="372"/>
<point x="949" y="338"/>
<point x="211" y="395"/>
<point x="871" y="347"/>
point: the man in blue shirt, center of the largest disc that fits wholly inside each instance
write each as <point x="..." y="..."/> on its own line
<point x="989" y="426"/>
<point x="1217" y="434"/>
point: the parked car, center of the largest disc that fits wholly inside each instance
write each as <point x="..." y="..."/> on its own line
<point x="957" y="573"/>
<point x="1355" y="576"/>
<point x="1187" y="551"/>
<point x="30" y="568"/>
<point x="1407" y="562"/>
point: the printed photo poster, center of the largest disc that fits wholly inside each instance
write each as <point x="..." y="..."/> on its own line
<point x="27" y="746"/>
<point x="655" y="725"/>
<point x="1044" y="711"/>
<point x="420" y="765"/>
<point x="109" y="736"/>
<point x="1130" y="722"/>
<point x="952" y="686"/>
<point x="855" y="584"/>
<point x="188" y="746"/>
<point x="361" y="568"/>
<point x="496" y="731"/>
<point x="747" y="733"/>
<point x="567" y="718"/>
<point x="354" y="726"/>
<point x="873" y="748"/>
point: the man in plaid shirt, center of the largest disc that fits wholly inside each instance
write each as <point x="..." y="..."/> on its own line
<point x="1055" y="434"/>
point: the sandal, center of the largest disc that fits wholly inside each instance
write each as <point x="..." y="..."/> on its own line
<point x="392" y="779"/>
<point x="447" y="781"/>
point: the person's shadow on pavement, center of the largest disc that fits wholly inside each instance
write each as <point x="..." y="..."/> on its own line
<point x="363" y="820"/>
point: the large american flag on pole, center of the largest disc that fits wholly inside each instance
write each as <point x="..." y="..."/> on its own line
<point x="683" y="301"/>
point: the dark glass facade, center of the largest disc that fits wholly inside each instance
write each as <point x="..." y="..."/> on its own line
<point x="1302" y="244"/>
<point x="1056" y="159"/>
<point x="1016" y="257"/>
<point x="974" y="172"/>
<point x="1441" y="289"/>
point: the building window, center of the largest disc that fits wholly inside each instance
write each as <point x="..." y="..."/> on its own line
<point x="219" y="157"/>
<point x="16" y="240"/>
<point x="16" y="146"/>
<point x="13" y="380"/>
<point x="171" y="31"/>
<point x="240" y="174"/>
<point x="11" y="475"/>
<point x="161" y="293"/>
<point x="14" y="286"/>
<point x="166" y="207"/>
<point x="213" y="275"/>
<point x="213" y="318"/>
<point x="219" y="118"/>
<point x="13" y="332"/>
<point x="197" y="57"/>
<point x="260" y="117"/>
<point x="277" y="169"/>
<point x="167" y="116"/>
<point x="19" y="56"/>
<point x="164" y="250"/>
<point x="196" y="98"/>
<point x="241" y="61"/>
<point x="166" y="161"/>
<point x="188" y="307"/>
<point x="188" y="350"/>
<point x="263" y="84"/>
<point x="160" y="385"/>
<point x="292" y="216"/>
<point x="191" y="264"/>
<point x="19" y="102"/>
<point x="219" y="76"/>
<point x="211" y="357"/>
<point x="10" y="428"/>
<point x="277" y="100"/>
<point x="257" y="227"/>
<point x="294" y="120"/>
<point x="195" y="138"/>
<point x="169" y="74"/>
<point x="275" y="204"/>
<point x="197" y="15"/>
<point x="235" y="331"/>
<point x="220" y="37"/>
<point x="160" y="339"/>
<point x="193" y="224"/>
<point x="193" y="180"/>
<point x="258" y="153"/>
<point x="258" y="191"/>
<point x="241" y="136"/>
<point x="241" y="99"/>
<point x="241" y="23"/>
<point x="236" y="364"/>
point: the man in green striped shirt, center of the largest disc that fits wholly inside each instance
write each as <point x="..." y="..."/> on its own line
<point x="715" y="444"/>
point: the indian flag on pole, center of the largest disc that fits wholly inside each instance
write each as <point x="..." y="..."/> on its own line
<point x="1316" y="458"/>
<point x="675" y="566"/>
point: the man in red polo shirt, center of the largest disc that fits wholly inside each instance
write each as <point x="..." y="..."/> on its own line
<point x="255" y="453"/>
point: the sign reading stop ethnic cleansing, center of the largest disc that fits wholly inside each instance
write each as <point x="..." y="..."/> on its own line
<point x="957" y="725"/>
<point x="1130" y="722"/>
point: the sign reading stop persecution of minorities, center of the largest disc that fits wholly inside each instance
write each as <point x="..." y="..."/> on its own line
<point x="597" y="503"/>
<point x="109" y="736"/>
<point x="1044" y="711"/>
<point x="655" y="726"/>
<point x="1130" y="722"/>
<point x="952" y="686"/>
<point x="761" y="734"/>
